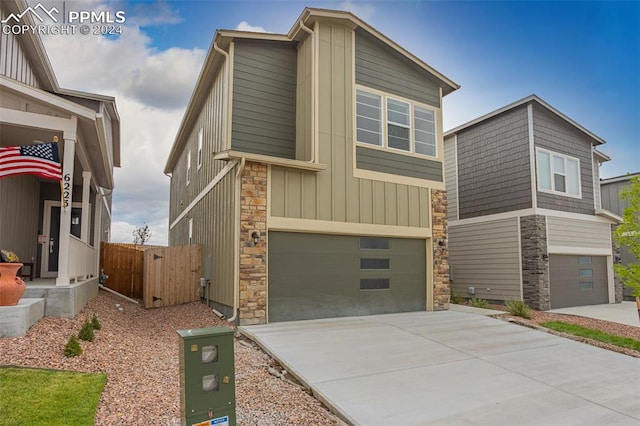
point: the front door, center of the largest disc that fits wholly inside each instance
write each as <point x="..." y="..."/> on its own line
<point x="50" y="250"/>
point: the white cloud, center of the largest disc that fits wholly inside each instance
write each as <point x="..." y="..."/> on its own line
<point x="245" y="26"/>
<point x="362" y="10"/>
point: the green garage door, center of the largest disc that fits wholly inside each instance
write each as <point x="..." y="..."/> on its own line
<point x="578" y="280"/>
<point x="322" y="276"/>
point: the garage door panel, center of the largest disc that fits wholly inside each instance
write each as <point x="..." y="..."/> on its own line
<point x="318" y="276"/>
<point x="578" y="280"/>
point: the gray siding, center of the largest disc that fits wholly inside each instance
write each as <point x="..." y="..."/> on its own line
<point x="19" y="218"/>
<point x="398" y="164"/>
<point x="555" y="134"/>
<point x="264" y="98"/>
<point x="493" y="166"/>
<point x="381" y="67"/>
<point x="486" y="256"/>
<point x="612" y="196"/>
<point x="13" y="61"/>
<point x="451" y="177"/>
<point x="565" y="232"/>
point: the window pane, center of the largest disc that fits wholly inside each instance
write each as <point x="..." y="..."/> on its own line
<point x="573" y="177"/>
<point x="425" y="131"/>
<point x="544" y="170"/>
<point x="558" y="164"/>
<point x="586" y="272"/>
<point x="374" y="263"/>
<point x="424" y="114"/>
<point x="368" y="118"/>
<point x="374" y="283"/>
<point x="558" y="182"/>
<point x="584" y="260"/>
<point x="586" y="286"/>
<point x="399" y="137"/>
<point x="397" y="112"/>
<point x="374" y="243"/>
<point x="426" y="149"/>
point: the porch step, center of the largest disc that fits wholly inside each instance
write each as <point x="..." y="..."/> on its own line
<point x="16" y="320"/>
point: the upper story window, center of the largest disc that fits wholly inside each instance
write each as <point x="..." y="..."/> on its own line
<point x="395" y="124"/>
<point x="558" y="173"/>
<point x="188" y="167"/>
<point x="199" y="154"/>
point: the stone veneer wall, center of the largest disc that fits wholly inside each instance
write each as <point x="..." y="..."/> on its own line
<point x="253" y="258"/>
<point x="441" y="283"/>
<point x="617" y="284"/>
<point x="535" y="268"/>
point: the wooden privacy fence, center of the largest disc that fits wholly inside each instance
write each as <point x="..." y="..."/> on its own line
<point x="160" y="276"/>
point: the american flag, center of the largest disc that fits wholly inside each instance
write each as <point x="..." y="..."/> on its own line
<point x="41" y="159"/>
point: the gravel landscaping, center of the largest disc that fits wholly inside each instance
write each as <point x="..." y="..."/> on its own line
<point x="138" y="350"/>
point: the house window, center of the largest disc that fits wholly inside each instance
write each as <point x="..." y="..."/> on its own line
<point x="558" y="173"/>
<point x="395" y="124"/>
<point x="190" y="231"/>
<point x="199" y="155"/>
<point x="188" y="167"/>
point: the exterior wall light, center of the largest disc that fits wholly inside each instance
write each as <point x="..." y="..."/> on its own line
<point x="442" y="244"/>
<point x="256" y="237"/>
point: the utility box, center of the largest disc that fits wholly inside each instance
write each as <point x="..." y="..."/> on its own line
<point x="207" y="377"/>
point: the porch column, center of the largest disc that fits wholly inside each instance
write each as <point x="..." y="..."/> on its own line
<point x="97" y="230"/>
<point x="86" y="186"/>
<point x="65" y="211"/>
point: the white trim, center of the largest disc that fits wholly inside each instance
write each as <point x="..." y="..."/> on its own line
<point x="520" y="258"/>
<point x="578" y="251"/>
<point x="46" y="230"/>
<point x="267" y="159"/>
<point x="399" y="179"/>
<point x="611" y="280"/>
<point x="345" y="228"/>
<point x="551" y="170"/>
<point x="529" y="212"/>
<point x="199" y="153"/>
<point x="618" y="178"/>
<point x="190" y="234"/>
<point x="204" y="192"/>
<point x="607" y="214"/>
<point x="188" y="177"/>
<point x="532" y="158"/>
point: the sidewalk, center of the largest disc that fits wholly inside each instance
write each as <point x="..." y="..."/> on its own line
<point x="623" y="313"/>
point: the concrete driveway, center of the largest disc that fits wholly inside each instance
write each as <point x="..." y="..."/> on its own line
<point x="623" y="313"/>
<point x="454" y="368"/>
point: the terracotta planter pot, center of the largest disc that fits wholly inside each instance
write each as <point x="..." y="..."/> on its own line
<point x="11" y="287"/>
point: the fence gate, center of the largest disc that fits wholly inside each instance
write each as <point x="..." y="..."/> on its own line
<point x="171" y="275"/>
<point x="123" y="264"/>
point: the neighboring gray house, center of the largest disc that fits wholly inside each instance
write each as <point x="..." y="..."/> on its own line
<point x="525" y="218"/>
<point x="309" y="167"/>
<point x="612" y="189"/>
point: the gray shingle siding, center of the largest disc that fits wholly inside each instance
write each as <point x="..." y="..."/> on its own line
<point x="553" y="133"/>
<point x="264" y="98"/>
<point x="398" y="164"/>
<point x="493" y="166"/>
<point x="381" y="67"/>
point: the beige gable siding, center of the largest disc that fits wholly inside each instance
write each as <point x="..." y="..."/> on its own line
<point x="451" y="177"/>
<point x="335" y="194"/>
<point x="213" y="217"/>
<point x="13" y="61"/>
<point x="20" y="103"/>
<point x="486" y="256"/>
<point x="565" y="232"/>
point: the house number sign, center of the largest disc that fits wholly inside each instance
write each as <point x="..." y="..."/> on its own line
<point x="66" y="190"/>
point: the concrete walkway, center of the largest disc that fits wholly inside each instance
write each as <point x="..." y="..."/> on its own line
<point x="453" y="368"/>
<point x="623" y="313"/>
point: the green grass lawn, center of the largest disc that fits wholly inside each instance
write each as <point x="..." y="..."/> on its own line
<point x="46" y="397"/>
<point x="576" y="330"/>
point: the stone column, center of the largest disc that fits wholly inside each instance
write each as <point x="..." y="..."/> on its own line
<point x="535" y="262"/>
<point x="617" y="258"/>
<point x="441" y="285"/>
<point x="253" y="257"/>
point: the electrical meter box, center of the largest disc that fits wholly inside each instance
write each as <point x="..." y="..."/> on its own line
<point x="207" y="378"/>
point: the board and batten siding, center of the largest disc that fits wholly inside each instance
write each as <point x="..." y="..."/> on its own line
<point x="213" y="221"/>
<point x="612" y="196"/>
<point x="397" y="164"/>
<point x="19" y="227"/>
<point x="493" y="166"/>
<point x="451" y="177"/>
<point x="485" y="256"/>
<point x="304" y="99"/>
<point x="565" y="232"/>
<point x="381" y="67"/>
<point x="555" y="134"/>
<point x="335" y="194"/>
<point x="13" y="61"/>
<point x="264" y="98"/>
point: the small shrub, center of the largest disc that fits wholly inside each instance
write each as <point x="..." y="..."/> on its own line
<point x="456" y="299"/>
<point x="479" y="303"/>
<point x="518" y="308"/>
<point x="86" y="332"/>
<point x="95" y="324"/>
<point x="72" y="348"/>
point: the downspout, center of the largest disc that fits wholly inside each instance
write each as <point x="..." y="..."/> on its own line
<point x="227" y="65"/>
<point x="314" y="91"/>
<point x="236" y="244"/>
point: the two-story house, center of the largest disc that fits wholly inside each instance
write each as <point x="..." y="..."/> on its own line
<point x="525" y="218"/>
<point x="612" y="190"/>
<point x="309" y="166"/>
<point x="54" y="225"/>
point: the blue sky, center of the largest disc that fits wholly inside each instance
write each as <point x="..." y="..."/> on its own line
<point x="583" y="58"/>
